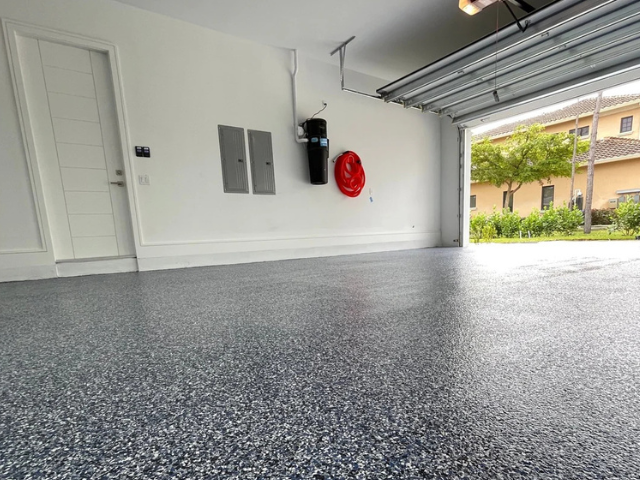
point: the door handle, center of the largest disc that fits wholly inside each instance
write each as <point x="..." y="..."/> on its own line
<point x="120" y="183"/>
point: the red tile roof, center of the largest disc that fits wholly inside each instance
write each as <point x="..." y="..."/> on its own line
<point x="567" y="113"/>
<point x="613" y="147"/>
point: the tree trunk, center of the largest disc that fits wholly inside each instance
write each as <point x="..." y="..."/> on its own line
<point x="573" y="164"/>
<point x="507" y="197"/>
<point x="591" y="166"/>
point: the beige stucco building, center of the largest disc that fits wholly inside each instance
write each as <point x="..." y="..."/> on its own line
<point x="617" y="170"/>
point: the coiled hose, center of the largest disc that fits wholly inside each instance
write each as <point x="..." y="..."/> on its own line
<point x="350" y="175"/>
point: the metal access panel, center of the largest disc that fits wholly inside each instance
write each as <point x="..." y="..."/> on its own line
<point x="262" y="173"/>
<point x="234" y="159"/>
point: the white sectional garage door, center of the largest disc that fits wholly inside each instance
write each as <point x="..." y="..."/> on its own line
<point x="567" y="43"/>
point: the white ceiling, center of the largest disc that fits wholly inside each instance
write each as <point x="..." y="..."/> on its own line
<point x="394" y="37"/>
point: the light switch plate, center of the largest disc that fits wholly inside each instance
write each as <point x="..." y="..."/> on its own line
<point x="144" y="180"/>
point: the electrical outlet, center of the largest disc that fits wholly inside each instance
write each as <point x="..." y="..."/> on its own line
<point x="144" y="180"/>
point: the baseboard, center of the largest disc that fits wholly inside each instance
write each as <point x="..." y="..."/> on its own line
<point x="19" y="274"/>
<point x="231" y="258"/>
<point x="164" y="258"/>
<point x="96" y="267"/>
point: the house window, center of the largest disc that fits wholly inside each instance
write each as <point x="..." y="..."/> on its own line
<point x="473" y="202"/>
<point x="504" y="196"/>
<point x="626" y="124"/>
<point x="582" y="131"/>
<point x="547" y="196"/>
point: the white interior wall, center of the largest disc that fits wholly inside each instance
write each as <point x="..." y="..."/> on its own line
<point x="180" y="81"/>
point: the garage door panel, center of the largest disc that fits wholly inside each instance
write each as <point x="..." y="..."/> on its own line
<point x="565" y="43"/>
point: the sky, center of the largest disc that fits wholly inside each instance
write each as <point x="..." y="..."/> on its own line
<point x="627" y="88"/>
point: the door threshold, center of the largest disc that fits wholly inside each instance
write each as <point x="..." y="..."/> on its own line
<point x="93" y="259"/>
<point x="96" y="266"/>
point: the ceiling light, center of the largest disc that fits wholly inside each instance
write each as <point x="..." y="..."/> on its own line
<point x="472" y="7"/>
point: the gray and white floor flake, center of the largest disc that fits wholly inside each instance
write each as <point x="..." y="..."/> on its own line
<point x="496" y="361"/>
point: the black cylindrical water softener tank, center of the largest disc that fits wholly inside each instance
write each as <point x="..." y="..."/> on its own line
<point x="318" y="151"/>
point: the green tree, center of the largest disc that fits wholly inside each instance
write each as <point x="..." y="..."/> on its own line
<point x="528" y="155"/>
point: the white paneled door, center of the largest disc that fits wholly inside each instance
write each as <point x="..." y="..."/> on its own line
<point x="71" y="106"/>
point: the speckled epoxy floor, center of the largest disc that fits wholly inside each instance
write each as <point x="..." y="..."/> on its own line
<point x="517" y="361"/>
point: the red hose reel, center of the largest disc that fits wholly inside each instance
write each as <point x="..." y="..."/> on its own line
<point x="350" y="175"/>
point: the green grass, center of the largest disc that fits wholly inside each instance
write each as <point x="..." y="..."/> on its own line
<point x="578" y="236"/>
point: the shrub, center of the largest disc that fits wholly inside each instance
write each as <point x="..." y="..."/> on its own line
<point x="568" y="220"/>
<point x="627" y="217"/>
<point x="495" y="219"/>
<point x="509" y="224"/>
<point x="488" y="232"/>
<point x="476" y="226"/>
<point x="550" y="221"/>
<point x="532" y="225"/>
<point x="601" y="217"/>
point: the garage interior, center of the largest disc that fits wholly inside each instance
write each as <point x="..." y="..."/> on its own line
<point x="328" y="333"/>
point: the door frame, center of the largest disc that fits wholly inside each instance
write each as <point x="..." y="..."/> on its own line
<point x="12" y="30"/>
<point x="581" y="88"/>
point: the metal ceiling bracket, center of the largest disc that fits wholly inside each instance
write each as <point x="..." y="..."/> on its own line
<point x="343" y="46"/>
<point x="342" y="49"/>
<point x="522" y="5"/>
<point x="513" y="14"/>
<point x="343" y="53"/>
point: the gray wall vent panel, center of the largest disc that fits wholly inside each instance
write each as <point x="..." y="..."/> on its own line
<point x="234" y="159"/>
<point x="262" y="172"/>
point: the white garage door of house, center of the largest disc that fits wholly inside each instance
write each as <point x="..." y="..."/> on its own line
<point x="569" y="42"/>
